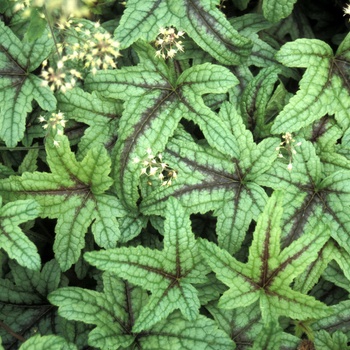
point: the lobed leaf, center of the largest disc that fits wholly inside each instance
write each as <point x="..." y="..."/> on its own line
<point x="203" y="22"/>
<point x="114" y="311"/>
<point x="74" y="194"/>
<point x="18" y="86"/>
<point x="155" y="102"/>
<point x="23" y="302"/>
<point x="12" y="239"/>
<point x="268" y="273"/>
<point x="209" y="180"/>
<point x="168" y="274"/>
<point x="311" y="194"/>
<point x="324" y="87"/>
<point x="102" y="117"/>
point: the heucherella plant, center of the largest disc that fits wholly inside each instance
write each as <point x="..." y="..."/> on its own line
<point x="174" y="175"/>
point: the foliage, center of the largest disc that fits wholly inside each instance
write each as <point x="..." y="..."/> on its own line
<point x="174" y="175"/>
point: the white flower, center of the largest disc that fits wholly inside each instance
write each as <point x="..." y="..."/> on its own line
<point x="56" y="143"/>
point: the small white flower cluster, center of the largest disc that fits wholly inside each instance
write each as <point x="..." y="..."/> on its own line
<point x="59" y="78"/>
<point x="288" y="146"/>
<point x="95" y="48"/>
<point x="167" y="42"/>
<point x="154" y="166"/>
<point x="346" y="10"/>
<point x="56" y="123"/>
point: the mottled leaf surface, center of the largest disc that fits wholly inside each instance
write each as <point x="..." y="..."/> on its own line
<point x="45" y="342"/>
<point x="211" y="180"/>
<point x="324" y="87"/>
<point x="74" y="193"/>
<point x="12" y="239"/>
<point x="269" y="271"/>
<point x="203" y="22"/>
<point x="24" y="307"/>
<point x="101" y="116"/>
<point x="115" y="310"/>
<point x="168" y="274"/>
<point x="155" y="101"/>
<point x="309" y="193"/>
<point x="18" y="86"/>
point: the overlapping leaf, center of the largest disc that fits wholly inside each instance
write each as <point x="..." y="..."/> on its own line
<point x="311" y="194"/>
<point x="155" y="101"/>
<point x="115" y="310"/>
<point x="18" y="86"/>
<point x="102" y="117"/>
<point x="324" y="87"/>
<point x="243" y="325"/>
<point x="168" y="274"/>
<point x="23" y="301"/>
<point x="210" y="180"/>
<point x="337" y="321"/>
<point x="269" y="271"/>
<point x="74" y="194"/>
<point x="12" y="239"/>
<point x="203" y="22"/>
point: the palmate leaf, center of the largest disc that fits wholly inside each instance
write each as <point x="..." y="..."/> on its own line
<point x="168" y="274"/>
<point x="23" y="304"/>
<point x="114" y="311"/>
<point x="269" y="271"/>
<point x="25" y="310"/>
<point x="211" y="180"/>
<point x="155" y="101"/>
<point x="12" y="239"/>
<point x="309" y="193"/>
<point x="324" y="87"/>
<point x="200" y="19"/>
<point x="74" y="193"/>
<point x="102" y="116"/>
<point x="18" y="87"/>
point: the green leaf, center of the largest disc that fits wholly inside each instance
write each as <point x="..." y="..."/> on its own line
<point x="18" y="87"/>
<point x="155" y="102"/>
<point x="255" y="100"/>
<point x="252" y="26"/>
<point x="74" y="193"/>
<point x="309" y="193"/>
<point x="275" y="10"/>
<point x="23" y="302"/>
<point x="114" y="311"/>
<point x="36" y="27"/>
<point x="52" y="342"/>
<point x="168" y="274"/>
<point x="101" y="115"/>
<point x="210" y="180"/>
<point x="336" y="341"/>
<point x="243" y="325"/>
<point x="269" y="271"/>
<point x="304" y="282"/>
<point x="200" y="19"/>
<point x="324" y="87"/>
<point x="337" y="321"/>
<point x="12" y="238"/>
